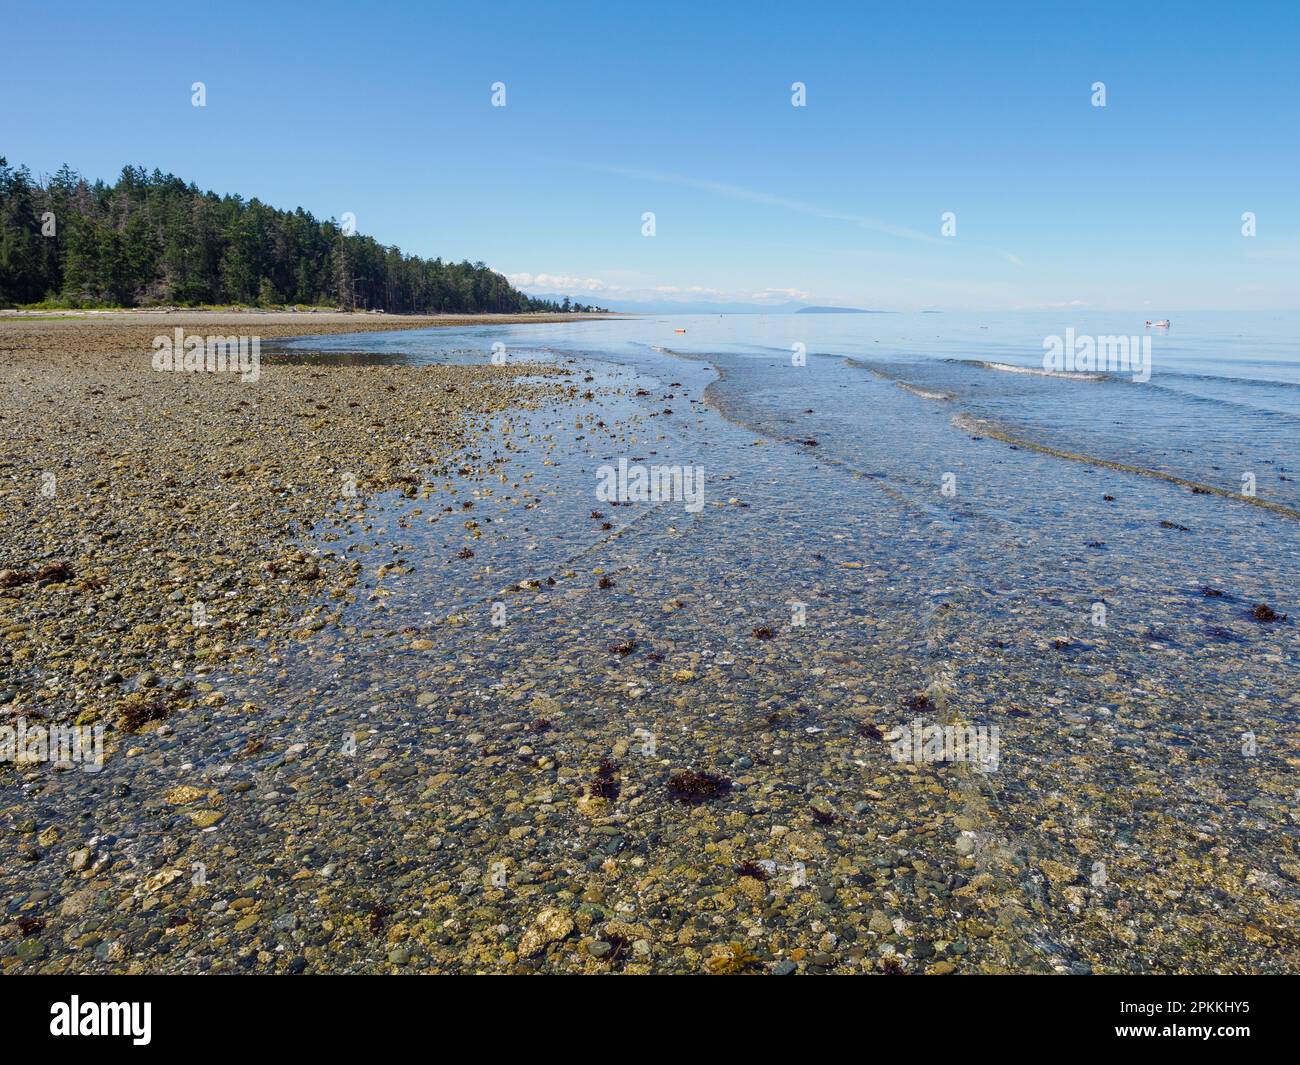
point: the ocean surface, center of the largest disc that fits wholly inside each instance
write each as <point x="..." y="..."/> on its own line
<point x="1222" y="400"/>
<point x="935" y="527"/>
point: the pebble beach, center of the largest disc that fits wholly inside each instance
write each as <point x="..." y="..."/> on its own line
<point x="386" y="687"/>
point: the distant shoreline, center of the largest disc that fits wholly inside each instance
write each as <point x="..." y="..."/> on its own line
<point x="34" y="338"/>
<point x="130" y="315"/>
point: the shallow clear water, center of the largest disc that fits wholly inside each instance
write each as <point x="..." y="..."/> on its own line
<point x="866" y="555"/>
<point x="1221" y="406"/>
<point x="972" y="558"/>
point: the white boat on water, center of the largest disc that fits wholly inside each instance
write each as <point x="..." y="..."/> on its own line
<point x="1162" y="324"/>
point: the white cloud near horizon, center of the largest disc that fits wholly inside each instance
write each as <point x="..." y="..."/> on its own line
<point x="560" y="283"/>
<point x="565" y="284"/>
<point x="554" y="284"/>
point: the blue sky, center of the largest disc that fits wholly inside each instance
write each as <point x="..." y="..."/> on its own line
<point x="685" y="110"/>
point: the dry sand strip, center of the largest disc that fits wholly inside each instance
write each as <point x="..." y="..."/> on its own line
<point x="27" y="334"/>
<point x="128" y="496"/>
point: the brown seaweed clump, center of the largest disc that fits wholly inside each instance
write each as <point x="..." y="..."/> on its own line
<point x="869" y="730"/>
<point x="822" y="813"/>
<point x="29" y="925"/>
<point x="920" y="701"/>
<point x="619" y="948"/>
<point x="137" y="710"/>
<point x="762" y="632"/>
<point x="694" y="786"/>
<point x="730" y="959"/>
<point x="1265" y="613"/>
<point x="376" y="917"/>
<point x="623" y="647"/>
<point x="605" y="582"/>
<point x="55" y="571"/>
<point x="604" y="784"/>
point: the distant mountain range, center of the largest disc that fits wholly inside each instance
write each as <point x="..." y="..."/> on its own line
<point x="686" y="307"/>
<point x="660" y="307"/>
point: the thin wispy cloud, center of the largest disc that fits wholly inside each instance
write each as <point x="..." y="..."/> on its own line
<point x="748" y="195"/>
<point x="745" y="194"/>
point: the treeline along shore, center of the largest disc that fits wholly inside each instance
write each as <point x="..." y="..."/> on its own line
<point x="150" y="239"/>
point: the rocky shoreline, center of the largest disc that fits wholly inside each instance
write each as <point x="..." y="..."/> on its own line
<point x="151" y="521"/>
<point x="647" y="767"/>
